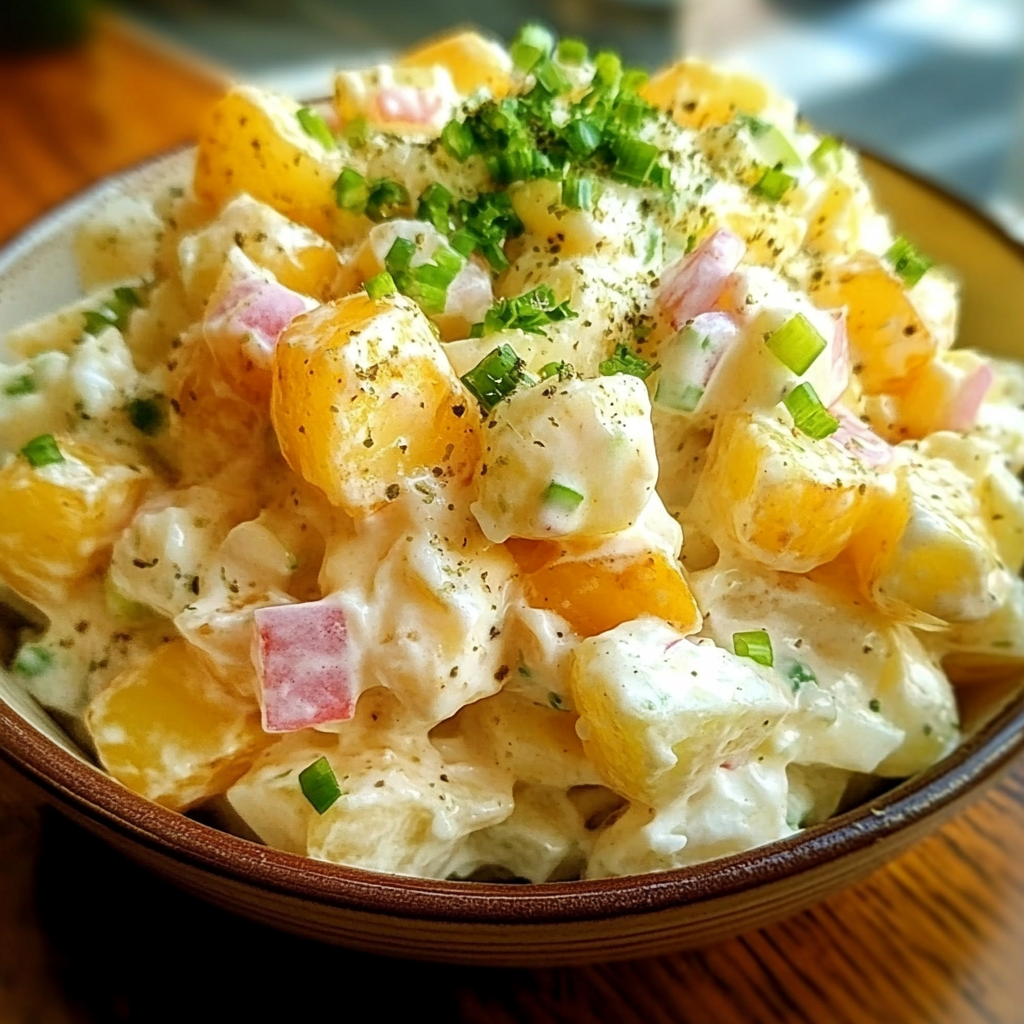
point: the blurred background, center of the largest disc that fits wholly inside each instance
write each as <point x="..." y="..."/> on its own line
<point x="935" y="85"/>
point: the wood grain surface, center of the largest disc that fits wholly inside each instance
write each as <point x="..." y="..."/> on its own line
<point x="935" y="938"/>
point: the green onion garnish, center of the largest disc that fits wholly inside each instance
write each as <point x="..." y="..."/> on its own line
<point x="796" y="344"/>
<point x="351" y="191"/>
<point x="809" y="415"/>
<point x="754" y="644"/>
<point x="577" y="193"/>
<point x="625" y="361"/>
<point x="910" y="264"/>
<point x="115" y="312"/>
<point x="23" y="385"/>
<point x="685" y="400"/>
<point x="552" y="77"/>
<point x="42" y="451"/>
<point x="320" y="785"/>
<point x="875" y="705"/>
<point x="773" y="184"/>
<point x="634" y="161"/>
<point x="356" y="132"/>
<point x="572" y="51"/>
<point x="386" y="199"/>
<point x="457" y="138"/>
<point x="561" y="498"/>
<point x="33" y="661"/>
<point x="487" y="222"/>
<point x="583" y="135"/>
<point x="435" y="207"/>
<point x="399" y="257"/>
<point x="381" y="286"/>
<point x="530" y="312"/>
<point x="315" y="127"/>
<point x="607" y="72"/>
<point x="496" y="376"/>
<point x="428" y="282"/>
<point x="562" y="370"/>
<point x="825" y="158"/>
<point x="533" y="43"/>
<point x="799" y="674"/>
<point x="145" y="415"/>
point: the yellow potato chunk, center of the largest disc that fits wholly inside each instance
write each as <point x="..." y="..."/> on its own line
<point x="170" y="730"/>
<point x="473" y="62"/>
<point x="698" y="95"/>
<point x="363" y="396"/>
<point x="252" y="142"/>
<point x="597" y="591"/>
<point x="889" y="340"/>
<point x="780" y="497"/>
<point x="58" y="522"/>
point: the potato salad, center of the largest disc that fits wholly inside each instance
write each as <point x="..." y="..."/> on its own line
<point x="517" y="468"/>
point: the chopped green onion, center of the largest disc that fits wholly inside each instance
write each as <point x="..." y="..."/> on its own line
<point x="809" y="415"/>
<point x="634" y="161"/>
<point x="583" y="135"/>
<point x="145" y="415"/>
<point x="631" y="111"/>
<point x="552" y="77"/>
<point x="533" y="43"/>
<point x="435" y="207"/>
<point x="561" y="498"/>
<point x="386" y="199"/>
<point x="115" y="312"/>
<point x="773" y="184"/>
<point x="572" y="51"/>
<point x="796" y="344"/>
<point x="562" y="370"/>
<point x="530" y="312"/>
<point x="399" y="257"/>
<point x="381" y="286"/>
<point x="315" y="127"/>
<point x="633" y="79"/>
<point x="42" y="451"/>
<point x="496" y="376"/>
<point x="33" y="661"/>
<point x="825" y="158"/>
<point x="773" y="148"/>
<point x="685" y="400"/>
<point x="910" y="264"/>
<point x="356" y="132"/>
<point x="320" y="785"/>
<point x="625" y="361"/>
<point x="799" y="674"/>
<point x="875" y="705"/>
<point x="607" y="73"/>
<point x="577" y="193"/>
<point x="754" y="644"/>
<point x="351" y="191"/>
<point x="457" y="139"/>
<point x="428" y="282"/>
<point x="23" y="385"/>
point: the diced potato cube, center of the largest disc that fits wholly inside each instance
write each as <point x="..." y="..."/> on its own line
<point x="889" y="340"/>
<point x="931" y="560"/>
<point x="533" y="482"/>
<point x="364" y="397"/>
<point x="539" y="206"/>
<point x="782" y="499"/>
<point x="252" y="142"/>
<point x="473" y="62"/>
<point x="658" y="713"/>
<point x="58" y="522"/>
<point x="298" y="257"/>
<point x="170" y="730"/>
<point x="991" y="648"/>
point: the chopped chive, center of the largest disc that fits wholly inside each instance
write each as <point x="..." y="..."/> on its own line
<point x="796" y="344"/>
<point x="33" y="661"/>
<point x="634" y="161"/>
<point x="809" y="415"/>
<point x="23" y="385"/>
<point x="572" y="51"/>
<point x="562" y="370"/>
<point x="42" y="451"/>
<point x="381" y="286"/>
<point x="625" y="361"/>
<point x="552" y="77"/>
<point x="496" y="376"/>
<point x="583" y="135"/>
<point x="773" y="184"/>
<point x="607" y="72"/>
<point x="633" y="79"/>
<point x="386" y="199"/>
<point x="320" y="785"/>
<point x="351" y="191"/>
<point x="457" y="138"/>
<point x="115" y="312"/>
<point x="685" y="400"/>
<point x="799" y="674"/>
<point x="561" y="498"/>
<point x="530" y="312"/>
<point x="875" y="705"/>
<point x="533" y="43"/>
<point x="400" y="256"/>
<point x="356" y="132"/>
<point x="315" y="127"/>
<point x="577" y="193"/>
<point x="825" y="158"/>
<point x="145" y="415"/>
<point x="435" y="207"/>
<point x="910" y="264"/>
<point x="755" y="644"/>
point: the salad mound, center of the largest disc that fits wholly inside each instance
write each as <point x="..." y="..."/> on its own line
<point x="517" y="468"/>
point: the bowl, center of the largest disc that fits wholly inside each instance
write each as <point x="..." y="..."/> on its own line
<point x="527" y="925"/>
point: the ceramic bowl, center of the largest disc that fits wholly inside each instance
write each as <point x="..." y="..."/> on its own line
<point x="561" y="923"/>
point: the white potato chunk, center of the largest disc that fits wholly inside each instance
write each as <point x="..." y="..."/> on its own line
<point x="119" y="240"/>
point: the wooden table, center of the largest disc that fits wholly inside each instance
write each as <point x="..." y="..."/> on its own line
<point x="86" y="937"/>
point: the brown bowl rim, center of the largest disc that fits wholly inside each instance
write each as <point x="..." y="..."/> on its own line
<point x="102" y="800"/>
